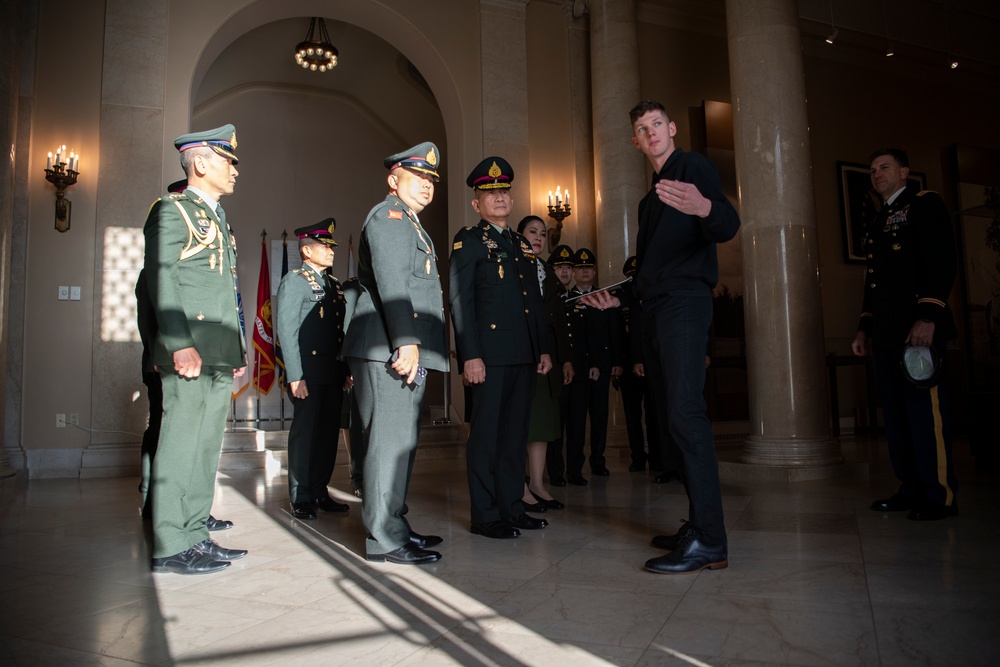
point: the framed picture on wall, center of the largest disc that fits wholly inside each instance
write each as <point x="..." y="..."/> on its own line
<point x="859" y="203"/>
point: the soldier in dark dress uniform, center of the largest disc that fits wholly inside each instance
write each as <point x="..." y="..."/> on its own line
<point x="560" y="263"/>
<point x="502" y="341"/>
<point x="590" y="390"/>
<point x="310" y="326"/>
<point x="910" y="272"/>
<point x="190" y="268"/>
<point x="394" y="336"/>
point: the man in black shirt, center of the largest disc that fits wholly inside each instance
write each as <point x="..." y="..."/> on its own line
<point x="681" y="219"/>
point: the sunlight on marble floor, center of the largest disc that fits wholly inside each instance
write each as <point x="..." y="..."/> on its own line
<point x="815" y="578"/>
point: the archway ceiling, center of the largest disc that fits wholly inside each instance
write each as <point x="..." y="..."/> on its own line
<point x="371" y="71"/>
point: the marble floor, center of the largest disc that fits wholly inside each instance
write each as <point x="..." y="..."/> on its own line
<point x="815" y="578"/>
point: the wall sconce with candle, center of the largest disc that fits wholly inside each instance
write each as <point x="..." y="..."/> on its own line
<point x="558" y="210"/>
<point x="61" y="171"/>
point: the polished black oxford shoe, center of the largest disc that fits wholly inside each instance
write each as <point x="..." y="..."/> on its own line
<point x="526" y="522"/>
<point x="558" y="481"/>
<point x="214" y="524"/>
<point x="212" y="548"/>
<point x="601" y="471"/>
<point x="497" y="530"/>
<point x="576" y="480"/>
<point x="669" y="542"/>
<point x="932" y="512"/>
<point x="304" y="511"/>
<point x="190" y="561"/>
<point x="690" y="555"/>
<point x="895" y="503"/>
<point x="424" y="541"/>
<point x="408" y="554"/>
<point x="328" y="504"/>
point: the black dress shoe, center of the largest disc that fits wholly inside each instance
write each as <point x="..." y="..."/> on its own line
<point x="212" y="548"/>
<point x="667" y="477"/>
<point x="637" y="467"/>
<point x="538" y="507"/>
<point x="932" y="512"/>
<point x="424" y="541"/>
<point x="527" y="522"/>
<point x="497" y="530"/>
<point x="600" y="471"/>
<point x="408" y="554"/>
<point x="550" y="503"/>
<point x="304" y="511"/>
<point x="895" y="503"/>
<point x="191" y="561"/>
<point x="576" y="480"/>
<point x="669" y="542"/>
<point x="558" y="481"/>
<point x="691" y="555"/>
<point x="214" y="524"/>
<point x="328" y="504"/>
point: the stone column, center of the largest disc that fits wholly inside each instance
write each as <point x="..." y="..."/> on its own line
<point x="503" y="45"/>
<point x="789" y="417"/>
<point x="619" y="172"/>
<point x="583" y="216"/>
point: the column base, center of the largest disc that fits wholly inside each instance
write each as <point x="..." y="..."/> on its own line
<point x="793" y="452"/>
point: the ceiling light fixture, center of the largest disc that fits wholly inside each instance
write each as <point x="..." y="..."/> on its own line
<point x="889" y="51"/>
<point x="833" y="35"/>
<point x="316" y="53"/>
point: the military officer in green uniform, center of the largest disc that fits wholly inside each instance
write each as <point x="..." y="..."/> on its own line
<point x="502" y="336"/>
<point x="395" y="335"/>
<point x="310" y="326"/>
<point x="190" y="266"/>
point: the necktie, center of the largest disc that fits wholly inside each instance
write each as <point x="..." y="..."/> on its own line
<point x="222" y="215"/>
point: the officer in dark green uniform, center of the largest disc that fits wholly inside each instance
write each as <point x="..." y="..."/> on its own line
<point x="310" y="326"/>
<point x="394" y="336"/>
<point x="590" y="388"/>
<point x="190" y="266"/>
<point x="502" y="340"/>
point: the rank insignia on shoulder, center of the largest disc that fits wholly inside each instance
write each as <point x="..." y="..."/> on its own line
<point x="395" y="214"/>
<point x="457" y="245"/>
<point x="526" y="247"/>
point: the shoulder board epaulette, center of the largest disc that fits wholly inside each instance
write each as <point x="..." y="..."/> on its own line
<point x="174" y="195"/>
<point x="924" y="192"/>
<point x="297" y="271"/>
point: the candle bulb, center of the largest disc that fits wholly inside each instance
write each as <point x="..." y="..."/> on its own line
<point x="567" y="199"/>
<point x="550" y="197"/>
<point x="48" y="162"/>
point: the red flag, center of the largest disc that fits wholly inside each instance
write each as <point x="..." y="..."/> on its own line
<point x="263" y="338"/>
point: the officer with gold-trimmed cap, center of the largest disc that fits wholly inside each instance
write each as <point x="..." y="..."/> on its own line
<point x="396" y="334"/>
<point x="502" y="339"/>
<point x="310" y="328"/>
<point x="222" y="140"/>
<point x="190" y="270"/>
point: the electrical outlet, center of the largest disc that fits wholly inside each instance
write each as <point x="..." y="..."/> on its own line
<point x="74" y="418"/>
<point x="61" y="420"/>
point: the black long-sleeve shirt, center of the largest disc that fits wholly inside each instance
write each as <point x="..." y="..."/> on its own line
<point x="676" y="250"/>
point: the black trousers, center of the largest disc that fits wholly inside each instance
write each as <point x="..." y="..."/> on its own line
<point x="498" y="442"/>
<point x="918" y="431"/>
<point x="154" y="392"/>
<point x="675" y="336"/>
<point x="312" y="440"/>
<point x="555" y="464"/>
<point x="587" y="397"/>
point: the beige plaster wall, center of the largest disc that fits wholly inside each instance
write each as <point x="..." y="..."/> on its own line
<point x="58" y="334"/>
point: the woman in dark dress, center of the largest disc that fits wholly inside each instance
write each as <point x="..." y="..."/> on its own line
<point x="545" y="424"/>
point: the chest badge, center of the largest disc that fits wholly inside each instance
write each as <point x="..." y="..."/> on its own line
<point x="500" y="272"/>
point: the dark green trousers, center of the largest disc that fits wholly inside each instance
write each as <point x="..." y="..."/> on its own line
<point x="390" y="417"/>
<point x="187" y="457"/>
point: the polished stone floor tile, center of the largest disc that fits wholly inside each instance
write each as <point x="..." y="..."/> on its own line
<point x="815" y="578"/>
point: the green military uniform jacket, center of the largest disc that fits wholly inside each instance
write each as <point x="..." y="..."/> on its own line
<point x="190" y="267"/>
<point x="400" y="300"/>
<point x="310" y="326"/>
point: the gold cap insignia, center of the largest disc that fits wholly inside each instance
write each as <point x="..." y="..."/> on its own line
<point x="564" y="253"/>
<point x="332" y="227"/>
<point x="584" y="255"/>
<point x="494" y="171"/>
<point x="432" y="158"/>
<point x="232" y="140"/>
